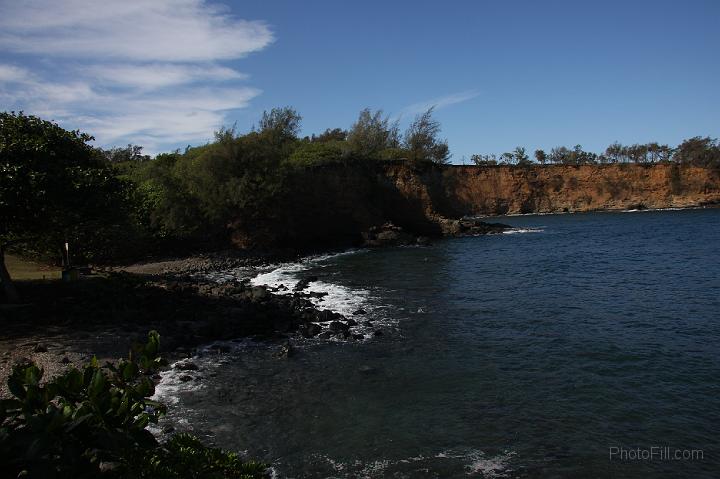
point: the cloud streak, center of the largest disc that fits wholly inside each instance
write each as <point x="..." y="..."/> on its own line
<point x="164" y="30"/>
<point x="145" y="72"/>
<point x="440" y="102"/>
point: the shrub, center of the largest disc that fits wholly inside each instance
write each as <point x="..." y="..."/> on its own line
<point x="422" y="142"/>
<point x="318" y="153"/>
<point x="93" y="421"/>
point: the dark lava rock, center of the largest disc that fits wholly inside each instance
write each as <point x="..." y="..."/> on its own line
<point x="167" y="429"/>
<point x="326" y="315"/>
<point x="185" y="378"/>
<point x="368" y="323"/>
<point x="337" y="326"/>
<point x="359" y="337"/>
<point x="387" y="235"/>
<point x="469" y="227"/>
<point x="359" y="312"/>
<point x="310" y="330"/>
<point x="285" y="352"/>
<point x="350" y="322"/>
<point x="378" y="332"/>
<point x="325" y="335"/>
<point x="316" y="294"/>
<point x="65" y="360"/>
<point x="259" y="293"/>
<point x="422" y="241"/>
<point x="304" y="283"/>
<point x="186" y="366"/>
<point x="40" y="348"/>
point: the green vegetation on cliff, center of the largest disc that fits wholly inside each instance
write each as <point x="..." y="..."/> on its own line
<point x="112" y="204"/>
<point x="697" y="151"/>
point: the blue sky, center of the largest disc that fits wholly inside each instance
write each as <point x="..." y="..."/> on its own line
<point x="502" y="74"/>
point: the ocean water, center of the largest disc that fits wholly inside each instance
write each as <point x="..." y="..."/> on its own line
<point x="528" y="354"/>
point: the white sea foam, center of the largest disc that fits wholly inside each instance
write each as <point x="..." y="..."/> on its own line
<point x="523" y="230"/>
<point x="650" y="210"/>
<point x="170" y="386"/>
<point x="473" y="462"/>
<point x="336" y="297"/>
<point x="282" y="278"/>
<point x="490" y="467"/>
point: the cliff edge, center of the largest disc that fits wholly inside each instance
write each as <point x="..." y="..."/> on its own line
<point x="334" y="205"/>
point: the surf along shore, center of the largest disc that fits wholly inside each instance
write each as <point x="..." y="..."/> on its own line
<point x="61" y="325"/>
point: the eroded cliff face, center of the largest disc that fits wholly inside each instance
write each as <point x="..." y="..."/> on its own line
<point x="469" y="190"/>
<point x="334" y="205"/>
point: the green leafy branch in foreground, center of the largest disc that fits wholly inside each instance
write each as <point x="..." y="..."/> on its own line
<point x="92" y="423"/>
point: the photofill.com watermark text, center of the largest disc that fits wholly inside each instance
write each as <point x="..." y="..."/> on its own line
<point x="655" y="453"/>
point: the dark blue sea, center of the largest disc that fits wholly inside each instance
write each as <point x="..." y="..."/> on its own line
<point x="575" y="345"/>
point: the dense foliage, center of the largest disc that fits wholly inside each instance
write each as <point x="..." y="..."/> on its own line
<point x="242" y="177"/>
<point x="92" y="422"/>
<point x="109" y="204"/>
<point x="698" y="151"/>
<point x="56" y="189"/>
<point x="421" y="140"/>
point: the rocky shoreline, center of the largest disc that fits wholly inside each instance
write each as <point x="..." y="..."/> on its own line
<point x="260" y="310"/>
<point x="389" y="234"/>
<point x="60" y="330"/>
<point x="65" y="324"/>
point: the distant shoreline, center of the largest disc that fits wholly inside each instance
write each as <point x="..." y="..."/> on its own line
<point x="607" y="210"/>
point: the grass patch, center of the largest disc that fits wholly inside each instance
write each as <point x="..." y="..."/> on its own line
<point x="21" y="269"/>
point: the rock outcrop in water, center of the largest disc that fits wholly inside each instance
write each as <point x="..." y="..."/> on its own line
<point x="247" y="310"/>
<point x="387" y="235"/>
<point x="334" y="205"/>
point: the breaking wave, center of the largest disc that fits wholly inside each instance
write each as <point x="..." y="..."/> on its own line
<point x="448" y="463"/>
<point x="523" y="230"/>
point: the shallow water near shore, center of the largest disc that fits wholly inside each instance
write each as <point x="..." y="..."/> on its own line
<point x="528" y="354"/>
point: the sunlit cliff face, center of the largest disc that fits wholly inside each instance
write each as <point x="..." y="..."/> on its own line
<point x="342" y="204"/>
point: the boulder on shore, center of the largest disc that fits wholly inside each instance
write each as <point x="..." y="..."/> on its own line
<point x="469" y="227"/>
<point x="304" y="283"/>
<point x="387" y="235"/>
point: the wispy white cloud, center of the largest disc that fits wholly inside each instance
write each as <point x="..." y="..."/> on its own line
<point x="132" y="71"/>
<point x="439" y="102"/>
<point x="14" y="74"/>
<point x="159" y="75"/>
<point x="159" y="30"/>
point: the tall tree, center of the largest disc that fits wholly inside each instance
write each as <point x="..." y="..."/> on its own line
<point x="372" y="133"/>
<point x="53" y="188"/>
<point x="507" y="158"/>
<point x="614" y="152"/>
<point x="129" y="153"/>
<point x="422" y="142"/>
<point x="280" y="123"/>
<point x="521" y="158"/>
<point x="698" y="151"/>
<point x="484" y="160"/>
<point x="560" y="155"/>
<point x="335" y="134"/>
